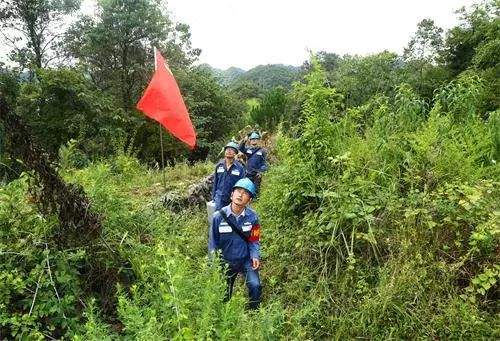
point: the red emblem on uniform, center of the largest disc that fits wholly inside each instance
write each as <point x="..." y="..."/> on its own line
<point x="255" y="233"/>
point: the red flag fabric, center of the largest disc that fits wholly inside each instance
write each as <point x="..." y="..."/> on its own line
<point x="162" y="101"/>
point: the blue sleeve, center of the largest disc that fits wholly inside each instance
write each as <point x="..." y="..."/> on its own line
<point x="264" y="167"/>
<point x="214" y="186"/>
<point x="242" y="172"/>
<point x="213" y="235"/>
<point x="254" y="249"/>
<point x="242" y="147"/>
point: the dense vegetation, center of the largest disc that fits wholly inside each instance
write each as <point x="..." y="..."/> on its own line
<point x="380" y="212"/>
<point x="103" y="64"/>
<point x="384" y="221"/>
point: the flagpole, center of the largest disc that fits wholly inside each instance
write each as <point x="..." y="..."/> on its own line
<point x="162" y="158"/>
<point x="161" y="141"/>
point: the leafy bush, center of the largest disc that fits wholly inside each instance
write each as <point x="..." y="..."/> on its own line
<point x="39" y="286"/>
<point x="62" y="105"/>
<point x="272" y="109"/>
<point x="171" y="289"/>
<point x="377" y="214"/>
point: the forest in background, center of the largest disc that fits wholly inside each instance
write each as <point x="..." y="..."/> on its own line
<point x="380" y="212"/>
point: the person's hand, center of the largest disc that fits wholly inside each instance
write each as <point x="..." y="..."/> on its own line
<point x="255" y="263"/>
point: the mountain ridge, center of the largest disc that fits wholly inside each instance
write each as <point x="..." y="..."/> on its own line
<point x="265" y="76"/>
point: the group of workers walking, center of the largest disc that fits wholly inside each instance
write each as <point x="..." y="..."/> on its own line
<point x="234" y="227"/>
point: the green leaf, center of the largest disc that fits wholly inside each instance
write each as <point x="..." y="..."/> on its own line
<point x="486" y="285"/>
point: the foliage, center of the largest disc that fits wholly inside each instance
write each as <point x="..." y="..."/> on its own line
<point x="424" y="70"/>
<point x="32" y="29"/>
<point x="246" y="89"/>
<point x="39" y="286"/>
<point x="360" y="78"/>
<point x="476" y="33"/>
<point x="427" y="43"/>
<point x="92" y="104"/>
<point x="272" y="109"/>
<point x="116" y="46"/>
<point x="62" y="105"/>
<point x="329" y="61"/>
<point x="176" y="291"/>
<point x="473" y="47"/>
<point x="377" y="215"/>
<point x="115" y="49"/>
<point x="269" y="76"/>
<point x="9" y="88"/>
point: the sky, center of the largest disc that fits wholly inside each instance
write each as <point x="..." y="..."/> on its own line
<point x="248" y="33"/>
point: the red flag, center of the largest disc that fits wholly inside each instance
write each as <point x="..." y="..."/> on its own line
<point x="162" y="101"/>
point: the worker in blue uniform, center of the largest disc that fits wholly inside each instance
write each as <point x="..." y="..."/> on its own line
<point x="256" y="158"/>
<point x="227" y="172"/>
<point x="236" y="234"/>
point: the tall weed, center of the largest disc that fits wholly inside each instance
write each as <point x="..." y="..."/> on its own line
<point x="377" y="213"/>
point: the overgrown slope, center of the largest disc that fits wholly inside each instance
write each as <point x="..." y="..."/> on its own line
<point x="383" y="221"/>
<point x="380" y="221"/>
<point x="171" y="289"/>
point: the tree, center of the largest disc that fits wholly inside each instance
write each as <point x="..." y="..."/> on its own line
<point x="426" y="44"/>
<point x="116" y="47"/>
<point x="329" y="61"/>
<point x="423" y="68"/>
<point x="479" y="28"/>
<point x="246" y="90"/>
<point x="9" y="85"/>
<point x="62" y="104"/>
<point x="474" y="47"/>
<point x="360" y="78"/>
<point x="271" y="110"/>
<point x="33" y="28"/>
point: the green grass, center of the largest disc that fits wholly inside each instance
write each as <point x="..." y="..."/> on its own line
<point x="381" y="222"/>
<point x="176" y="291"/>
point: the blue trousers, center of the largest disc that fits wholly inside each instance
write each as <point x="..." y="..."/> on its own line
<point x="252" y="280"/>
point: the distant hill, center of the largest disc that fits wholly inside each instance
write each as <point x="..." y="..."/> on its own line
<point x="225" y="77"/>
<point x="270" y="76"/>
<point x="264" y="77"/>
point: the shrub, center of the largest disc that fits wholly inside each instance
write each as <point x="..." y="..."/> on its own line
<point x="383" y="214"/>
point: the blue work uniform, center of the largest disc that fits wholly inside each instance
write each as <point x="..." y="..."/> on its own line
<point x="224" y="181"/>
<point x="256" y="159"/>
<point x="236" y="252"/>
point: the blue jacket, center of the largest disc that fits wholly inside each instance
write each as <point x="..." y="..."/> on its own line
<point x="224" y="181"/>
<point x="234" y="249"/>
<point x="256" y="159"/>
